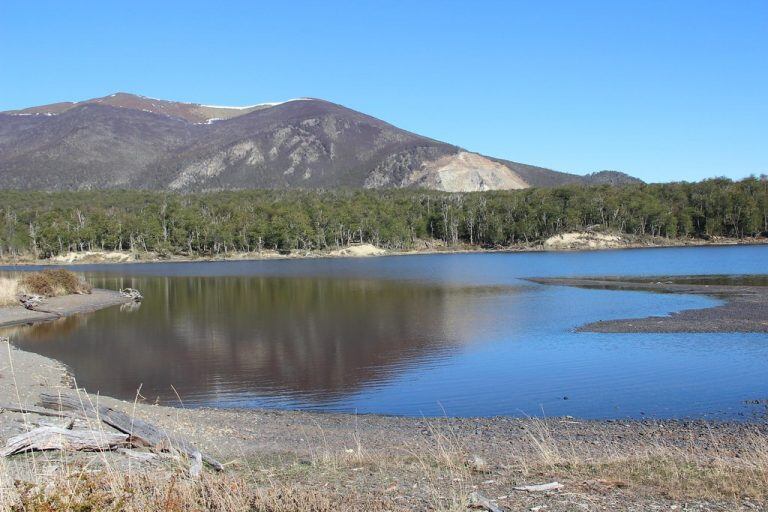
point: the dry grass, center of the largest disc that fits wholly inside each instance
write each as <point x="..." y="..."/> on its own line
<point x="9" y="288"/>
<point x="686" y="472"/>
<point x="171" y="492"/>
<point x="439" y="468"/>
<point x="711" y="469"/>
<point x="53" y="283"/>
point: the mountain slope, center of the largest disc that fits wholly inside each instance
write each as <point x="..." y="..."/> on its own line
<point x="541" y="177"/>
<point x="307" y="144"/>
<point x="89" y="146"/>
<point x="128" y="141"/>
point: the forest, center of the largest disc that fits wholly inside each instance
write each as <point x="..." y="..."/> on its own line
<point x="44" y="224"/>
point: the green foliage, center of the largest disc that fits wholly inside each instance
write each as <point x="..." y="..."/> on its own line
<point x="48" y="223"/>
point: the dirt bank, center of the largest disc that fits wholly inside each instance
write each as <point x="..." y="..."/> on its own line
<point x="745" y="307"/>
<point x="359" y="251"/>
<point x="586" y="241"/>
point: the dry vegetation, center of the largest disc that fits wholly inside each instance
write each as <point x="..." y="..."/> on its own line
<point x="715" y="469"/>
<point x="436" y="476"/>
<point x="47" y="283"/>
<point x="53" y="283"/>
<point x="9" y="289"/>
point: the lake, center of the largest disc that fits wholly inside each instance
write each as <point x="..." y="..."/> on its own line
<point x="455" y="334"/>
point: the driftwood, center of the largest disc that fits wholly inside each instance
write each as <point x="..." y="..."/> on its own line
<point x="57" y="438"/>
<point x="68" y="423"/>
<point x="552" y="486"/>
<point x="478" y="501"/>
<point x="138" y="430"/>
<point x="34" y="410"/>
<point x="132" y="293"/>
<point x="30" y="301"/>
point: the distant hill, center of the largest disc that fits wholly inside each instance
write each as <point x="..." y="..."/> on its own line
<point x="129" y="141"/>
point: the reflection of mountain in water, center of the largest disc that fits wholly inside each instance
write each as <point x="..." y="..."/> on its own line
<point x="212" y="338"/>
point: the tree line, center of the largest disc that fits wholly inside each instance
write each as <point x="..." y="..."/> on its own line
<point x="44" y="224"/>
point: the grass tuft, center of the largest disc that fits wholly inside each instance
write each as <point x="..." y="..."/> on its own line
<point x="9" y="288"/>
<point x="174" y="492"/>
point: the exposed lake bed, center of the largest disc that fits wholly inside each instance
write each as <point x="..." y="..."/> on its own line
<point x="745" y="307"/>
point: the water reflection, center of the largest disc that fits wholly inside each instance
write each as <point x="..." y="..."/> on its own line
<point x="422" y="335"/>
<point x="207" y="336"/>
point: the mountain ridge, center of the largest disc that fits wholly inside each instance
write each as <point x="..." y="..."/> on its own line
<point x="130" y="141"/>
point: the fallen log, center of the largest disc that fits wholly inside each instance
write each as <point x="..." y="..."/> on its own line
<point x="34" y="410"/>
<point x="57" y="438"/>
<point x="138" y="430"/>
<point x="68" y="424"/>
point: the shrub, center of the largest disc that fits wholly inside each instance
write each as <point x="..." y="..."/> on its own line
<point x="52" y="283"/>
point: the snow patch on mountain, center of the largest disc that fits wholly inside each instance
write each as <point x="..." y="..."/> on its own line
<point x="267" y="104"/>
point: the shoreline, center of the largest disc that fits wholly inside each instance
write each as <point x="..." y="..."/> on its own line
<point x="410" y="463"/>
<point x="122" y="258"/>
<point x="745" y="307"/>
<point x="54" y="308"/>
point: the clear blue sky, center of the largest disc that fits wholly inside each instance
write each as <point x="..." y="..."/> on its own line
<point x="664" y="90"/>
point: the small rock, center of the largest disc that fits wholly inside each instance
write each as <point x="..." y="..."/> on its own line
<point x="552" y="486"/>
<point x="478" y="501"/>
<point x="478" y="464"/>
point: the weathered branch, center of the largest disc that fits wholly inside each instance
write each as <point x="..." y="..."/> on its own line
<point x="57" y="438"/>
<point x="138" y="430"/>
<point x="30" y="301"/>
<point x="34" y="410"/>
<point x="132" y="293"/>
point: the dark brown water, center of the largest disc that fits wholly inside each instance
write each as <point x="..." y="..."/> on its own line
<point x="458" y="334"/>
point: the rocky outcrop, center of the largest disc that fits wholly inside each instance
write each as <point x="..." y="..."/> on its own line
<point x="466" y="172"/>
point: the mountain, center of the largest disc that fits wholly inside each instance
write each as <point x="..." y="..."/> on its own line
<point x="129" y="141"/>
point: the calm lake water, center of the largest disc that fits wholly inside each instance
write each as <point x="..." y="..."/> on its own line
<point x="460" y="335"/>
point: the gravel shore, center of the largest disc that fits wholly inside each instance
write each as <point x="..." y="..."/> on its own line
<point x="745" y="307"/>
